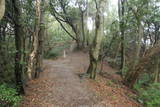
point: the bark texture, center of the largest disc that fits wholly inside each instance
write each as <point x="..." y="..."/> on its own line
<point x="2" y="8"/>
<point x="19" y="46"/>
<point x="40" y="41"/>
<point x="121" y="5"/>
<point x="96" y="45"/>
<point x="33" y="55"/>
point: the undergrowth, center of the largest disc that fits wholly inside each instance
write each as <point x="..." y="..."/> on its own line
<point x="149" y="95"/>
<point x="8" y="96"/>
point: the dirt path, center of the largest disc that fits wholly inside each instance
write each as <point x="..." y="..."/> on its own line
<point x="60" y="86"/>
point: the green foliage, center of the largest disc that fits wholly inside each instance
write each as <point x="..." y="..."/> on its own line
<point x="8" y="96"/>
<point x="125" y="70"/>
<point x="150" y="96"/>
<point x="143" y="80"/>
<point x="52" y="54"/>
<point x="55" y="52"/>
<point x="110" y="83"/>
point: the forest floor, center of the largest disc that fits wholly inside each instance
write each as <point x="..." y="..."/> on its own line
<point x="60" y="86"/>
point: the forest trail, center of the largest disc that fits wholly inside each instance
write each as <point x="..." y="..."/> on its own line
<point x="60" y="86"/>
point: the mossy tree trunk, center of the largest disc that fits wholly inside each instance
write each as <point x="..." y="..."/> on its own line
<point x="32" y="63"/>
<point x="138" y="43"/>
<point x="157" y="59"/>
<point x="121" y="5"/>
<point x="40" y="41"/>
<point x="19" y="34"/>
<point x="131" y="76"/>
<point x="156" y="69"/>
<point x="96" y="45"/>
<point x="2" y="8"/>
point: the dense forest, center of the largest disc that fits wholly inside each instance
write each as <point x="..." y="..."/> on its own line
<point x="77" y="44"/>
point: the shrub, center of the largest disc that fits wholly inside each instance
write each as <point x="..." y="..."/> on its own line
<point x="125" y="70"/>
<point x="8" y="96"/>
<point x="150" y="96"/>
<point x="52" y="54"/>
<point x="55" y="52"/>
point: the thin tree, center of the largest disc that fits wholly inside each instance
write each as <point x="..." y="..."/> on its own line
<point x="33" y="55"/>
<point x="82" y="7"/>
<point x="2" y="8"/>
<point x="40" y="40"/>
<point x="19" y="45"/>
<point x="121" y="5"/>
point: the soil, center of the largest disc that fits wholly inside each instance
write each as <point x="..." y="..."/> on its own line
<point x="59" y="85"/>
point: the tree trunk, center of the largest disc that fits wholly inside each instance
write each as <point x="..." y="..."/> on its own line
<point x="87" y="32"/>
<point x="33" y="55"/>
<point x="157" y="59"/>
<point x="157" y="36"/>
<point x="96" y="45"/>
<point x="93" y="66"/>
<point x="40" y="41"/>
<point x="83" y="32"/>
<point x="138" y="44"/>
<point x="19" y="46"/>
<point x="121" y="4"/>
<point x="131" y="76"/>
<point x="2" y="8"/>
<point x="156" y="70"/>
